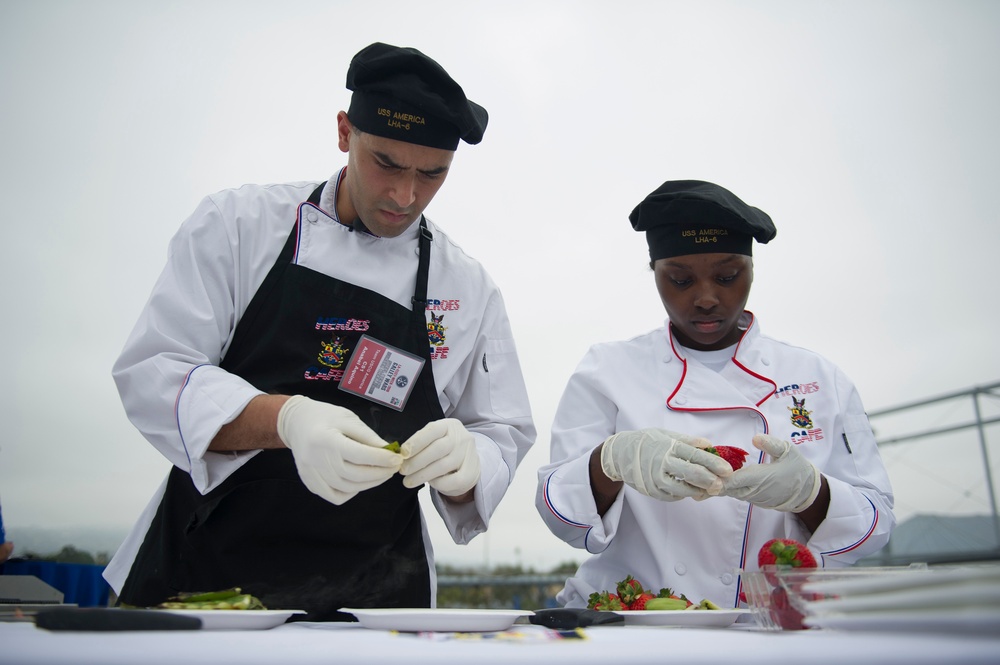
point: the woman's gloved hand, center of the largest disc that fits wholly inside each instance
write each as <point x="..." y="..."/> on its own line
<point x="443" y="454"/>
<point x="663" y="464"/>
<point x="789" y="482"/>
<point x="336" y="454"/>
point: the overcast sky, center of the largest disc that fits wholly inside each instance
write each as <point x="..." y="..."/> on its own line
<point x="866" y="129"/>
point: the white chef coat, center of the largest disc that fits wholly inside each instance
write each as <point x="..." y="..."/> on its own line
<point x="177" y="396"/>
<point x="696" y="547"/>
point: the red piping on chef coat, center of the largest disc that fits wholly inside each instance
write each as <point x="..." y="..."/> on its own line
<point x="871" y="530"/>
<point x="564" y="520"/>
<point x="552" y="509"/>
<point x="760" y="457"/>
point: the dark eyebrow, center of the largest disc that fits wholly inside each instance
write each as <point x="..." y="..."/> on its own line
<point x="387" y="160"/>
<point x="435" y="171"/>
<point x="732" y="258"/>
<point x="390" y="162"/>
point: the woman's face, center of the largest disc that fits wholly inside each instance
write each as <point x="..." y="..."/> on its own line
<point x="704" y="295"/>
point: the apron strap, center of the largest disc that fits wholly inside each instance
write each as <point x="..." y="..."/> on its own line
<point x="314" y="197"/>
<point x="273" y="276"/>
<point x="419" y="299"/>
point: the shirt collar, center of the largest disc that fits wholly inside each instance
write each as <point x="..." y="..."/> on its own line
<point x="328" y="203"/>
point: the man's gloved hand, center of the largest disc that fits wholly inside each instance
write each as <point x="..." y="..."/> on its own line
<point x="336" y="454"/>
<point x="663" y="464"/>
<point x="442" y="453"/>
<point x="789" y="482"/>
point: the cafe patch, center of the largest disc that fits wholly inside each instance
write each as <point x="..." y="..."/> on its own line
<point x="801" y="419"/>
<point x="331" y="358"/>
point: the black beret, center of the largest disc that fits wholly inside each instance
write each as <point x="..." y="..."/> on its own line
<point x="401" y="94"/>
<point x="695" y="217"/>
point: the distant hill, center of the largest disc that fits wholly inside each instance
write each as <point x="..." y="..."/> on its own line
<point x="939" y="539"/>
<point x="44" y="541"/>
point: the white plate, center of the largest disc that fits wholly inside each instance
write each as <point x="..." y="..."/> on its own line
<point x="977" y="622"/>
<point x="682" y="617"/>
<point x="418" y="620"/>
<point x="237" y="619"/>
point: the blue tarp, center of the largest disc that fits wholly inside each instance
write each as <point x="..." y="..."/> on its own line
<point x="81" y="584"/>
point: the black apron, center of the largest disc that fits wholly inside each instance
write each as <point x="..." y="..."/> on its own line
<point x="262" y="530"/>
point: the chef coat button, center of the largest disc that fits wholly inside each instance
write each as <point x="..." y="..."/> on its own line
<point x="727" y="578"/>
<point x="666" y="359"/>
<point x="680" y="400"/>
<point x="765" y="362"/>
<point x="312" y="217"/>
<point x="680" y="568"/>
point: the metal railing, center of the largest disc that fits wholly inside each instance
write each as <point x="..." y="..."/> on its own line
<point x="978" y="422"/>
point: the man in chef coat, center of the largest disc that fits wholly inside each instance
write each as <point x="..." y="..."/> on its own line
<point x="298" y="330"/>
<point x="629" y="479"/>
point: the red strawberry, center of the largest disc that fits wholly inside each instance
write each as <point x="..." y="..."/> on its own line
<point x="735" y="456"/>
<point x="629" y="589"/>
<point x="782" y="612"/>
<point x="604" y="600"/>
<point x="785" y="552"/>
<point x="640" y="601"/>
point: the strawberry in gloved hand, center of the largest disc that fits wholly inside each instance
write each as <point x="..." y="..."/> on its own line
<point x="735" y="456"/>
<point x="663" y="465"/>
<point x="789" y="482"/>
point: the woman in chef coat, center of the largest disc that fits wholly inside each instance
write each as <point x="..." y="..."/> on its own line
<point x="628" y="480"/>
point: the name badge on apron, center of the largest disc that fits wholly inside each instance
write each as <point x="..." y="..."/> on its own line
<point x="381" y="373"/>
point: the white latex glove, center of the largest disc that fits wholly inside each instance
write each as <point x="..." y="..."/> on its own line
<point x="789" y="482"/>
<point x="442" y="453"/>
<point x="336" y="454"/>
<point x="663" y="464"/>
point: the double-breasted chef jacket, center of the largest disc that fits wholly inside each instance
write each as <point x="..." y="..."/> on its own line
<point x="698" y="547"/>
<point x="175" y="377"/>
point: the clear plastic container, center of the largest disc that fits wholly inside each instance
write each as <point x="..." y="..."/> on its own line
<point x="781" y="597"/>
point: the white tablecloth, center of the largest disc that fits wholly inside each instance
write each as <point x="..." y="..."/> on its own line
<point x="336" y="643"/>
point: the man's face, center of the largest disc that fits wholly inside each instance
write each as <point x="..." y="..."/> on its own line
<point x="388" y="183"/>
<point x="704" y="295"/>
